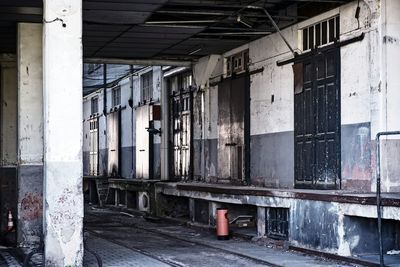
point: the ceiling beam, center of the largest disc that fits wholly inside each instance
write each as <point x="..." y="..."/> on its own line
<point x="143" y="62"/>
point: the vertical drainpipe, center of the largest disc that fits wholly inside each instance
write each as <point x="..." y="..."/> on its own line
<point x="105" y="108"/>
<point x="203" y="134"/>
<point x="132" y="121"/>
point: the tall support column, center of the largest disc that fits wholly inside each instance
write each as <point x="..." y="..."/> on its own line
<point x="385" y="83"/>
<point x="62" y="79"/>
<point x="261" y="221"/>
<point x="30" y="134"/>
<point x="164" y="131"/>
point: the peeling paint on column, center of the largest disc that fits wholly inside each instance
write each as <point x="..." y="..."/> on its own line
<point x="63" y="168"/>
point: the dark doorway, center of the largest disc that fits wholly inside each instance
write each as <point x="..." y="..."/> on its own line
<point x="317" y="122"/>
<point x="181" y="101"/>
<point x="233" y="129"/>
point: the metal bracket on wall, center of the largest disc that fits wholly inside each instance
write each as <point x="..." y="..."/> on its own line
<point x="221" y="78"/>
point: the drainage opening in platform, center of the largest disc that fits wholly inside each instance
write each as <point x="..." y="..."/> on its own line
<point x="174" y="207"/>
<point x="278" y="223"/>
<point x="242" y="219"/>
<point x="361" y="234"/>
<point x="131" y="199"/>
<point x="122" y="198"/>
<point x="201" y="211"/>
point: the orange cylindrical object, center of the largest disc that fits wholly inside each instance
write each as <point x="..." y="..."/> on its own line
<point x="222" y="223"/>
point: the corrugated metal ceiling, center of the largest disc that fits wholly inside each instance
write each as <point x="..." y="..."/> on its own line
<point x="165" y="29"/>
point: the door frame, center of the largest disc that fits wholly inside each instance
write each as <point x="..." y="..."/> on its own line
<point x="311" y="56"/>
<point x="246" y="180"/>
<point x="171" y="96"/>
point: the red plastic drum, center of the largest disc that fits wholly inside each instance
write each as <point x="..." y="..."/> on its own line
<point x="222" y="224"/>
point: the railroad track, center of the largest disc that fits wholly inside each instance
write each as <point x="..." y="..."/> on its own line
<point x="169" y="236"/>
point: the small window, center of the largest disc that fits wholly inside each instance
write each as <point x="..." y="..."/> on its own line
<point x="146" y="87"/>
<point x="116" y="96"/>
<point x="323" y="33"/>
<point x="229" y="65"/>
<point x="185" y="81"/>
<point x="94" y="105"/>
<point x="237" y="63"/>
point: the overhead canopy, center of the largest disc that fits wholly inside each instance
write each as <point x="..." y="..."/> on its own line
<point x="165" y="29"/>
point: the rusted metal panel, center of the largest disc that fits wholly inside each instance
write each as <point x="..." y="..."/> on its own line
<point x="232" y="99"/>
<point x="224" y="129"/>
<point x="181" y="106"/>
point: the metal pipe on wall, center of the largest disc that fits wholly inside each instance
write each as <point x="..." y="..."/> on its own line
<point x="105" y="107"/>
<point x="105" y="90"/>
<point x="132" y="120"/>
<point x="275" y="26"/>
<point x="378" y="191"/>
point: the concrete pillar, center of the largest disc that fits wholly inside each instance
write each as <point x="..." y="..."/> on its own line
<point x="30" y="133"/>
<point x="261" y="221"/>
<point x="63" y="169"/>
<point x="192" y="210"/>
<point x="212" y="212"/>
<point x="385" y="109"/>
<point x="164" y="131"/>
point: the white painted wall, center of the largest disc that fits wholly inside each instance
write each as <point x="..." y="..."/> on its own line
<point x="391" y="42"/>
<point x="126" y="114"/>
<point x="356" y="73"/>
<point x="62" y="102"/>
<point x="30" y="93"/>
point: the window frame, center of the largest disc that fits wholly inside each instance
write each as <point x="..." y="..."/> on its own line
<point x="146" y="87"/>
<point x="94" y="105"/>
<point x="116" y="96"/>
<point x="325" y="38"/>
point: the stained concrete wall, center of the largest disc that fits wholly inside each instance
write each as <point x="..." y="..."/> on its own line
<point x="8" y="113"/>
<point x="30" y="133"/>
<point x="346" y="229"/>
<point x="130" y="89"/>
<point x="389" y="94"/>
<point x="362" y="104"/>
<point x="8" y="139"/>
